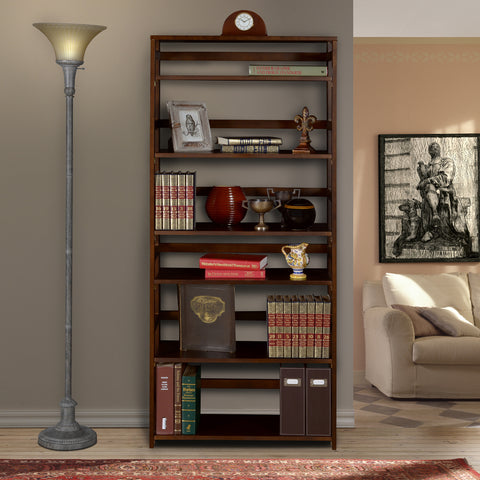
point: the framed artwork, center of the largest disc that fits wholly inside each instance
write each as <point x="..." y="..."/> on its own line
<point x="190" y="126"/>
<point x="429" y="198"/>
<point x="207" y="317"/>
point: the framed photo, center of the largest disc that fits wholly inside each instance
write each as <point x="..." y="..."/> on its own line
<point x="429" y="198"/>
<point x="190" y="126"/>
<point x="207" y="317"/>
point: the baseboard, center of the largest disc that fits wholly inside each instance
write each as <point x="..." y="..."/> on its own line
<point x="119" y="418"/>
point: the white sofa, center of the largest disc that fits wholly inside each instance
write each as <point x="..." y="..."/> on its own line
<point x="403" y="361"/>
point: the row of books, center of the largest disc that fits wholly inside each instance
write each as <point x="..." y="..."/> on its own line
<point x="177" y="399"/>
<point x="175" y="200"/>
<point x="305" y="401"/>
<point x="299" y="326"/>
<point x="249" y="144"/>
<point x="227" y="266"/>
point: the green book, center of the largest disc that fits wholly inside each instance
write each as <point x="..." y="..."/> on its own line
<point x="190" y="399"/>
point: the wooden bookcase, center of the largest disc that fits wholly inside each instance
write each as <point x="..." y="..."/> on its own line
<point x="170" y="55"/>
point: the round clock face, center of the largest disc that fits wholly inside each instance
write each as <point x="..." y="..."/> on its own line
<point x="244" y="21"/>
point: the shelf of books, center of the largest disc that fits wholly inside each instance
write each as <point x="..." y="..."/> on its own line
<point x="210" y="280"/>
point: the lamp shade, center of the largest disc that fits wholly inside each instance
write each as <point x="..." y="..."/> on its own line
<point x="69" y="40"/>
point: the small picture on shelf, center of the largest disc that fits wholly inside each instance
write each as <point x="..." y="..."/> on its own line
<point x="207" y="317"/>
<point x="190" y="126"/>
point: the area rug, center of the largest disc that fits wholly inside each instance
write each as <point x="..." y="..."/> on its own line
<point x="237" y="469"/>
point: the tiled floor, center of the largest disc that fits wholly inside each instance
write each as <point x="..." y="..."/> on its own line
<point x="372" y="407"/>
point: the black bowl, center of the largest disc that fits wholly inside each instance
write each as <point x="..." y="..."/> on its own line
<point x="299" y="214"/>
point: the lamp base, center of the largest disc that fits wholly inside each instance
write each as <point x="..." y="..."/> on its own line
<point x="76" y="437"/>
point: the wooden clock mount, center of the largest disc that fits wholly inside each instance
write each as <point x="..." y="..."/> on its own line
<point x="244" y="22"/>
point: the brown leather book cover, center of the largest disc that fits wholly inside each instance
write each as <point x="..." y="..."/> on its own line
<point x="292" y="401"/>
<point x="164" y="389"/>
<point x="318" y="401"/>
<point x="207" y="317"/>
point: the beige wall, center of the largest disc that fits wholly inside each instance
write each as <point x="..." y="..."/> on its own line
<point x="404" y="86"/>
<point x="111" y="197"/>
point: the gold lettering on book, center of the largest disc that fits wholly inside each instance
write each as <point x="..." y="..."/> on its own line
<point x="207" y="308"/>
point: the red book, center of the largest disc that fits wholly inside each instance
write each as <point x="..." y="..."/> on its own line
<point x="279" y="320"/>
<point x="219" y="273"/>
<point x="190" y="200"/>
<point x="295" y="326"/>
<point x="302" y="353"/>
<point x="164" y="387"/>
<point x="271" y="327"/>
<point x="287" y="327"/>
<point x="233" y="261"/>
<point x="327" y="326"/>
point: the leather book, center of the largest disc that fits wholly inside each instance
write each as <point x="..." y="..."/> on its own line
<point x="292" y="401"/>
<point x="190" y="399"/>
<point x="287" y="327"/>
<point x="164" y="389"/>
<point x="207" y="317"/>
<point x="318" y="401"/>
<point x="271" y="327"/>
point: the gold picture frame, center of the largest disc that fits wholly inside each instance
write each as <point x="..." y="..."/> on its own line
<point x="190" y="126"/>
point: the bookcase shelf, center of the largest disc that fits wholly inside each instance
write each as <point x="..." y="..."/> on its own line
<point x="202" y="62"/>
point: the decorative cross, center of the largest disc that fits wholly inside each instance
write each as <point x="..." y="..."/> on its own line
<point x="305" y="123"/>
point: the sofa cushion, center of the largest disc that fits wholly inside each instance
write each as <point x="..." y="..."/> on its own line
<point x="474" y="281"/>
<point x="450" y="321"/>
<point x="438" y="290"/>
<point x="421" y="326"/>
<point x="444" y="350"/>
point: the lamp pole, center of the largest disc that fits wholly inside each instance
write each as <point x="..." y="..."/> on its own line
<point x="65" y="38"/>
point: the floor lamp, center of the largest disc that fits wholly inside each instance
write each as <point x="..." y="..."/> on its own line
<point x="69" y="42"/>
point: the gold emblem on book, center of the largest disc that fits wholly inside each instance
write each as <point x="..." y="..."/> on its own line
<point x="207" y="308"/>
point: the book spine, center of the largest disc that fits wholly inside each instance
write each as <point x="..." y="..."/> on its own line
<point x="221" y="273"/>
<point x="229" y="264"/>
<point x="295" y="306"/>
<point x="164" y="386"/>
<point x="303" y="328"/>
<point x="173" y="201"/>
<point x="158" y="203"/>
<point x="249" y="140"/>
<point x="287" y="327"/>
<point x="271" y="327"/>
<point x="280" y="325"/>
<point x="318" y="401"/>
<point x="327" y="325"/>
<point x="190" y="200"/>
<point x="318" y="341"/>
<point x="165" y="177"/>
<point x="181" y="201"/>
<point x="190" y="400"/>
<point x="249" y="148"/>
<point x="310" y="319"/>
<point x="289" y="70"/>
<point x="177" y="401"/>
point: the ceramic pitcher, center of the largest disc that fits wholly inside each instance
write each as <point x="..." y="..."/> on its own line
<point x="297" y="259"/>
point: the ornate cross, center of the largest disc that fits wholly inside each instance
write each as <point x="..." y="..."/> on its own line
<point x="305" y="123"/>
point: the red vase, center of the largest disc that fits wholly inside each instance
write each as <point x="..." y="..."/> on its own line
<point x="224" y="205"/>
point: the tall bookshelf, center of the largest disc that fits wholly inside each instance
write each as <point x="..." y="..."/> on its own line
<point x="223" y="61"/>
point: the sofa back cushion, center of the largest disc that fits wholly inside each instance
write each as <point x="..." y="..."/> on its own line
<point x="438" y="290"/>
<point x="474" y="281"/>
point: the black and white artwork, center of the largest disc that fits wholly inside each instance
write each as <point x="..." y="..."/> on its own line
<point x="429" y="198"/>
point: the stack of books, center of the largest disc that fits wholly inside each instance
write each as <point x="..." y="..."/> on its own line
<point x="177" y="399"/>
<point x="175" y="201"/>
<point x="299" y="326"/>
<point x="225" y="266"/>
<point x="249" y="144"/>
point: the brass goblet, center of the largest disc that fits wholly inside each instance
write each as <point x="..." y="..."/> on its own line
<point x="261" y="206"/>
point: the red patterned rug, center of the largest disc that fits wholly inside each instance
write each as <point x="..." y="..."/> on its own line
<point x="236" y="469"/>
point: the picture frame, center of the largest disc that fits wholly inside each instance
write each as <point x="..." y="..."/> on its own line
<point x="429" y="198"/>
<point x="207" y="317"/>
<point x="190" y="126"/>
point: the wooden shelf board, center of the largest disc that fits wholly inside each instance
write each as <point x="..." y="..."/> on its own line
<point x="246" y="352"/>
<point x="217" y="155"/>
<point x="241" y="427"/>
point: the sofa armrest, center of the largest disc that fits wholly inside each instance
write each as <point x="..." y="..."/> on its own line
<point x="389" y="338"/>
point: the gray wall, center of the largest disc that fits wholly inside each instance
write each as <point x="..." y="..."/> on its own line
<point x="111" y="198"/>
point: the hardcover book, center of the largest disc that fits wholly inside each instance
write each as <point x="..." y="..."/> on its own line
<point x="249" y="140"/>
<point x="303" y="321"/>
<point x="249" y="148"/>
<point x="327" y="326"/>
<point x="318" y="342"/>
<point x="190" y="399"/>
<point x="289" y="70"/>
<point x="207" y="317"/>
<point x="233" y="261"/>
<point x="271" y="327"/>
<point x="177" y="398"/>
<point x="295" y="306"/>
<point x="213" y="273"/>
<point x="280" y="325"/>
<point x="164" y="395"/>
<point x="287" y="327"/>
<point x="292" y="401"/>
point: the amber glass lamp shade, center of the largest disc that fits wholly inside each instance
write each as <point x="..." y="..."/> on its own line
<point x="69" y="40"/>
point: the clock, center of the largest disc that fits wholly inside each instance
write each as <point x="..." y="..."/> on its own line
<point x="244" y="22"/>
